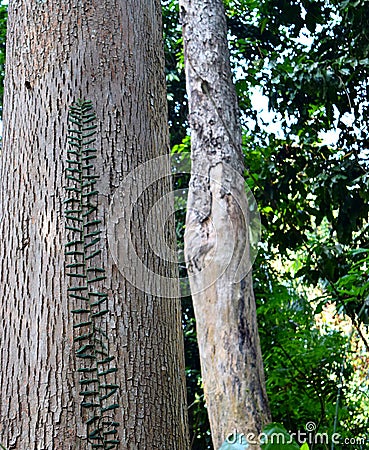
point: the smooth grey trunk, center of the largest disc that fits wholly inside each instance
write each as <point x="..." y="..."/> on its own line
<point x="217" y="232"/>
<point x="110" y="52"/>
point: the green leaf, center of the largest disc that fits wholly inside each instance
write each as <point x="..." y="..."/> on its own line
<point x="263" y="24"/>
<point x="304" y="446"/>
<point x="235" y="442"/>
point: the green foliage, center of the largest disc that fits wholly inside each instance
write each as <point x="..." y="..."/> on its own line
<point x="88" y="301"/>
<point x="353" y="287"/>
<point x="174" y="70"/>
<point x="301" y="363"/>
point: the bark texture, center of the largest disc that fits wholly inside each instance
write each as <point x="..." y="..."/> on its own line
<point x="217" y="235"/>
<point x="110" y="52"/>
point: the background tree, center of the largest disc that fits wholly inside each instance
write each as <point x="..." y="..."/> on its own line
<point x="217" y="232"/>
<point x="109" y="52"/>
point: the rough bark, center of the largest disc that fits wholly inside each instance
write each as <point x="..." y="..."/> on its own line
<point x="110" y="52"/>
<point x="217" y="234"/>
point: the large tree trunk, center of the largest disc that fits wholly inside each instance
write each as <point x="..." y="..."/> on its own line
<point x="217" y="232"/>
<point x="110" y="52"/>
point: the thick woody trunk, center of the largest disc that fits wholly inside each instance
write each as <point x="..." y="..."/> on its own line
<point x="217" y="234"/>
<point x="110" y="52"/>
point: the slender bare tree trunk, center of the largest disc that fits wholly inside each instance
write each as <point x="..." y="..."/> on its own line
<point x="109" y="51"/>
<point x="217" y="234"/>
